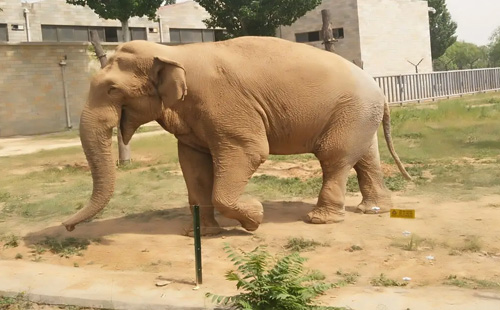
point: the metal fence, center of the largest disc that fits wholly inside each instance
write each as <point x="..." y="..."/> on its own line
<point x="419" y="87"/>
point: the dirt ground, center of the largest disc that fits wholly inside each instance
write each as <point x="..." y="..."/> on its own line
<point x="154" y="243"/>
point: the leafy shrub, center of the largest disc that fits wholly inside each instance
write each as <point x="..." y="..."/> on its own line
<point x="283" y="286"/>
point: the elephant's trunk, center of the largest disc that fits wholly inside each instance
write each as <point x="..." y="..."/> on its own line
<point x="95" y="135"/>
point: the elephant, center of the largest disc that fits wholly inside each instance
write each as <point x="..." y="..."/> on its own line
<point x="231" y="104"/>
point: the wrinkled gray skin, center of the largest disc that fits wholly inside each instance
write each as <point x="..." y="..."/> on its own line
<point x="231" y="104"/>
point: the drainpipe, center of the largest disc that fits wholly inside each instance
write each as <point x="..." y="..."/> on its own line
<point x="160" y="27"/>
<point x="27" y="21"/>
<point x="62" y="64"/>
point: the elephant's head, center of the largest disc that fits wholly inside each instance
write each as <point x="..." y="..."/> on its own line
<point x="131" y="90"/>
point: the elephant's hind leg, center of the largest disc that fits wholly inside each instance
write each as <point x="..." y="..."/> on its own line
<point x="330" y="206"/>
<point x="197" y="168"/>
<point x="376" y="196"/>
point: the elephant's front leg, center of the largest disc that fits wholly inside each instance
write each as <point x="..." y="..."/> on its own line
<point x="197" y="168"/>
<point x="376" y="196"/>
<point x="234" y="166"/>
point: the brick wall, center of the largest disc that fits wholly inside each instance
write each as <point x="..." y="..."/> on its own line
<point x="31" y="87"/>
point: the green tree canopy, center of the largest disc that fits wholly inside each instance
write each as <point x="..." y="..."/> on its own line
<point x="122" y="10"/>
<point x="494" y="48"/>
<point x="442" y="28"/>
<point x="254" y="17"/>
<point x="463" y="55"/>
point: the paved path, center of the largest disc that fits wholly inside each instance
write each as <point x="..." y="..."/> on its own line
<point x="45" y="283"/>
<point x="28" y="145"/>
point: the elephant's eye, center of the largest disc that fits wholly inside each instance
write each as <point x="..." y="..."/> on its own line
<point x="113" y="90"/>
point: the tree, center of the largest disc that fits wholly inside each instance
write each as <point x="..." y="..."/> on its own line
<point x="463" y="55"/>
<point x="254" y="17"/>
<point x="123" y="10"/>
<point x="494" y="48"/>
<point x="442" y="28"/>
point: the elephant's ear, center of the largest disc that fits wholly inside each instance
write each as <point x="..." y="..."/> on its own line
<point x="169" y="78"/>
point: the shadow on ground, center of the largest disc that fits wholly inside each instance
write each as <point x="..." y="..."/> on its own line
<point x="174" y="221"/>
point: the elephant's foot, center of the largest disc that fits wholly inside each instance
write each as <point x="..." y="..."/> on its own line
<point x="375" y="206"/>
<point x="249" y="212"/>
<point x="207" y="228"/>
<point x="323" y="215"/>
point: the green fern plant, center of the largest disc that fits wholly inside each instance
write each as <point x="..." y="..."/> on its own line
<point x="284" y="286"/>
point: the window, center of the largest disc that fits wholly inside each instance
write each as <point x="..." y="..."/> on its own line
<point x="313" y="36"/>
<point x="82" y="33"/>
<point x="4" y="35"/>
<point x="194" y="35"/>
<point x="338" y="33"/>
<point x="308" y="36"/>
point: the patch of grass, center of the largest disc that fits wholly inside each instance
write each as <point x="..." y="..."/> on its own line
<point x="301" y="244"/>
<point x="19" y="256"/>
<point x="453" y="129"/>
<point x="4" y="196"/>
<point x="296" y="157"/>
<point x="471" y="282"/>
<point x="413" y="243"/>
<point x="346" y="278"/>
<point x="472" y="244"/>
<point x="382" y="280"/>
<point x="395" y="183"/>
<point x="271" y="186"/>
<point x="66" y="247"/>
<point x="10" y="241"/>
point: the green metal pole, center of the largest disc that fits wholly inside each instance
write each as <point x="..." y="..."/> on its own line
<point x="197" y="244"/>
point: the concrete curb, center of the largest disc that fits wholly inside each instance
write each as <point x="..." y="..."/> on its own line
<point x="100" y="304"/>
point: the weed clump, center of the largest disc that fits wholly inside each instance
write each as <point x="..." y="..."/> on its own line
<point x="301" y="244"/>
<point x="382" y="280"/>
<point x="65" y="248"/>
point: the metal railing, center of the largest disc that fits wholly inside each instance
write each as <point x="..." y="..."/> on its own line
<point x="419" y="87"/>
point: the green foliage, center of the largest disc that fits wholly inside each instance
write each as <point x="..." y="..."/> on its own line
<point x="254" y="17"/>
<point x="382" y="280"/>
<point x="268" y="185"/>
<point x="442" y="28"/>
<point x="463" y="55"/>
<point x="122" y="10"/>
<point x="283" y="286"/>
<point x="346" y="278"/>
<point x="471" y="282"/>
<point x="66" y="247"/>
<point x="301" y="244"/>
<point x="10" y="241"/>
<point x="494" y="48"/>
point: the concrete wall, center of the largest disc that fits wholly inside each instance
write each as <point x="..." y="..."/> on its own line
<point x="58" y="12"/>
<point x="31" y="88"/>
<point x="392" y="33"/>
<point x="182" y="15"/>
<point x="344" y="14"/>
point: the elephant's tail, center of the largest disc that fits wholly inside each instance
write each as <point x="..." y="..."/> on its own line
<point x="386" y="123"/>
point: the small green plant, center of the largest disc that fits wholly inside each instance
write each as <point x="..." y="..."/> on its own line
<point x="76" y="265"/>
<point x="471" y="244"/>
<point x="19" y="256"/>
<point x="471" y="282"/>
<point x="282" y="286"/>
<point x="346" y="278"/>
<point x="382" y="280"/>
<point x="414" y="243"/>
<point x="301" y="244"/>
<point x="65" y="248"/>
<point x="11" y="241"/>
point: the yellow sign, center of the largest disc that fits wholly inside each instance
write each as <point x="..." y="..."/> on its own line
<point x="404" y="214"/>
